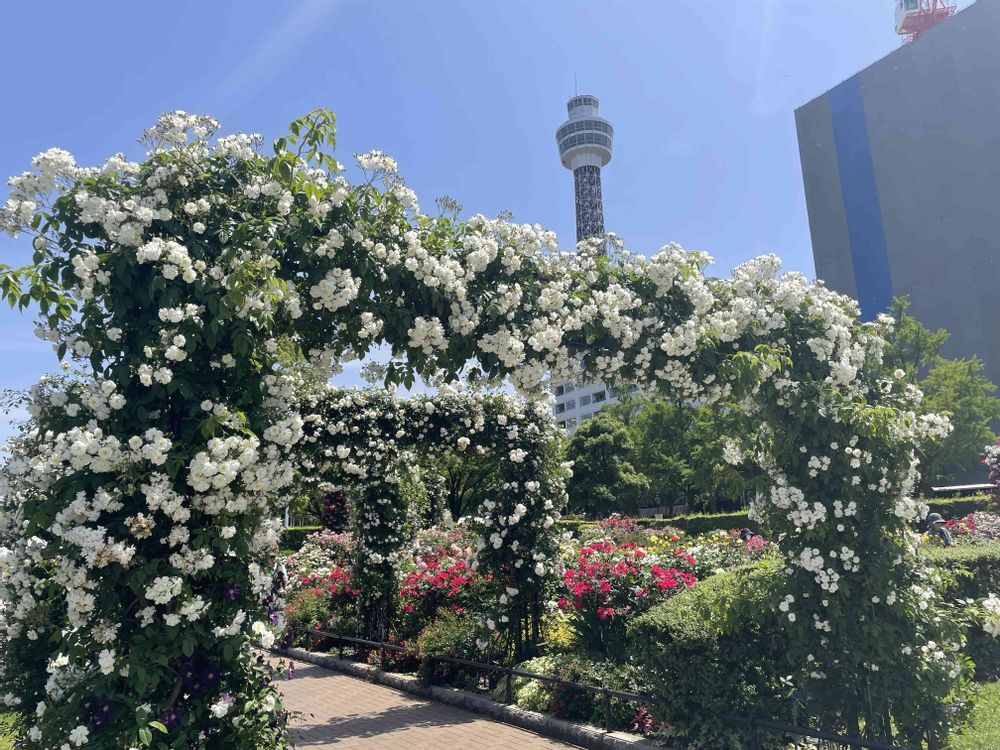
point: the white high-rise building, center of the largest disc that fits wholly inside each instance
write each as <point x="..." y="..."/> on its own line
<point x="577" y="403"/>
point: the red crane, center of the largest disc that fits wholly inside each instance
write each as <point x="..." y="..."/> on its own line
<point x="914" y="17"/>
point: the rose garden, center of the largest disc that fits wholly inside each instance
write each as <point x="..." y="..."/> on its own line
<point x="202" y="298"/>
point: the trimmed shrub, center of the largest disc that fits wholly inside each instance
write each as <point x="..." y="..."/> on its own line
<point x="696" y="523"/>
<point x="715" y="648"/>
<point x="973" y="573"/>
<point x="294" y="537"/>
<point x="957" y="507"/>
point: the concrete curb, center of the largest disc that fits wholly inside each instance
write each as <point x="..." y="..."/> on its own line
<point x="583" y="735"/>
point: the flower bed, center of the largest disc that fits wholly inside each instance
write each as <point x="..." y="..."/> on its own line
<point x="607" y="584"/>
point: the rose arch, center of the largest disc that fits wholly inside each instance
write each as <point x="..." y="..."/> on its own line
<point x="361" y="439"/>
<point x="138" y="504"/>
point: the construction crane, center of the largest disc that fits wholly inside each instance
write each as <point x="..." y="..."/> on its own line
<point x="914" y="17"/>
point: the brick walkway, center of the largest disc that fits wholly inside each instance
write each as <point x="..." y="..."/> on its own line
<point x="343" y="713"/>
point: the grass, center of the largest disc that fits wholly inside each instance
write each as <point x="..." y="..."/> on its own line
<point x="6" y="732"/>
<point x="983" y="730"/>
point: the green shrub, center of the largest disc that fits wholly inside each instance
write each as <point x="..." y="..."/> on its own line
<point x="715" y="648"/>
<point x="454" y="634"/>
<point x="974" y="572"/>
<point x="956" y="507"/>
<point x="294" y="537"/>
<point x="571" y="703"/>
<point x="558" y="635"/>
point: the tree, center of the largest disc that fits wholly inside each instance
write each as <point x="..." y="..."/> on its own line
<point x="715" y="483"/>
<point x="660" y="434"/>
<point x="910" y="346"/>
<point x="955" y="387"/>
<point x="466" y="480"/>
<point x="604" y="479"/>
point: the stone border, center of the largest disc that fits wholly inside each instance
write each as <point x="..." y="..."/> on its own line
<point x="583" y="735"/>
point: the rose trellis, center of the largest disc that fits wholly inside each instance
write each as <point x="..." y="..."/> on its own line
<point x="138" y="504"/>
<point x="362" y="439"/>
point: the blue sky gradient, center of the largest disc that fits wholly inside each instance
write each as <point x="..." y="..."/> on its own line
<point x="467" y="96"/>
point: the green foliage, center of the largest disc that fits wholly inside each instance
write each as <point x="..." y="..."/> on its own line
<point x="956" y="507"/>
<point x="679" y="449"/>
<point x="955" y="387"/>
<point x="558" y="634"/>
<point x="8" y="731"/>
<point x="466" y="480"/>
<point x="575" y="704"/>
<point x="716" y="647"/>
<point x="294" y="537"/>
<point x="455" y="634"/>
<point x="604" y="479"/>
<point x="973" y="573"/>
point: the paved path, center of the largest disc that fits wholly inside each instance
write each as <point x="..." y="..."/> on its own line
<point x="338" y="712"/>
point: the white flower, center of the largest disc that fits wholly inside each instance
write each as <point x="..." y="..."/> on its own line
<point x="163" y="589"/>
<point x="106" y="661"/>
<point x="79" y="735"/>
<point x="991" y="606"/>
<point x="221" y="707"/>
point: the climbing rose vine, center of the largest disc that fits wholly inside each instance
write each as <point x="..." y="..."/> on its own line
<point x="137" y="504"/>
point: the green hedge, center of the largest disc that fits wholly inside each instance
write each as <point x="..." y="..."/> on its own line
<point x="294" y="537"/>
<point x="960" y="506"/>
<point x="974" y="572"/>
<point x="716" y="647"/>
<point x="976" y="568"/>
<point x="699" y="523"/>
<point x="695" y="523"/>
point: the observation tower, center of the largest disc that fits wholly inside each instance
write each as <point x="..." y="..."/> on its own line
<point x="585" y="142"/>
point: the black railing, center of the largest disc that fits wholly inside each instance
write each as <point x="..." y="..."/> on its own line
<point x="508" y="673"/>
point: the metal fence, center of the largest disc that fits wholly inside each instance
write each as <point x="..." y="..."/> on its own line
<point x="758" y="731"/>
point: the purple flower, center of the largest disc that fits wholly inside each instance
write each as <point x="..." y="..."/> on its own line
<point x="170" y="718"/>
<point x="188" y="673"/>
<point x="232" y="592"/>
<point x="209" y="676"/>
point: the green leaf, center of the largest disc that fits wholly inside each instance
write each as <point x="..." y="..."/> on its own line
<point x="157" y="725"/>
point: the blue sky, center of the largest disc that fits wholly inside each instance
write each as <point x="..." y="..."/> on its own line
<point x="467" y="96"/>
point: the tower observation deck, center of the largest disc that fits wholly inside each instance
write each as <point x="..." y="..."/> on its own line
<point x="585" y="141"/>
